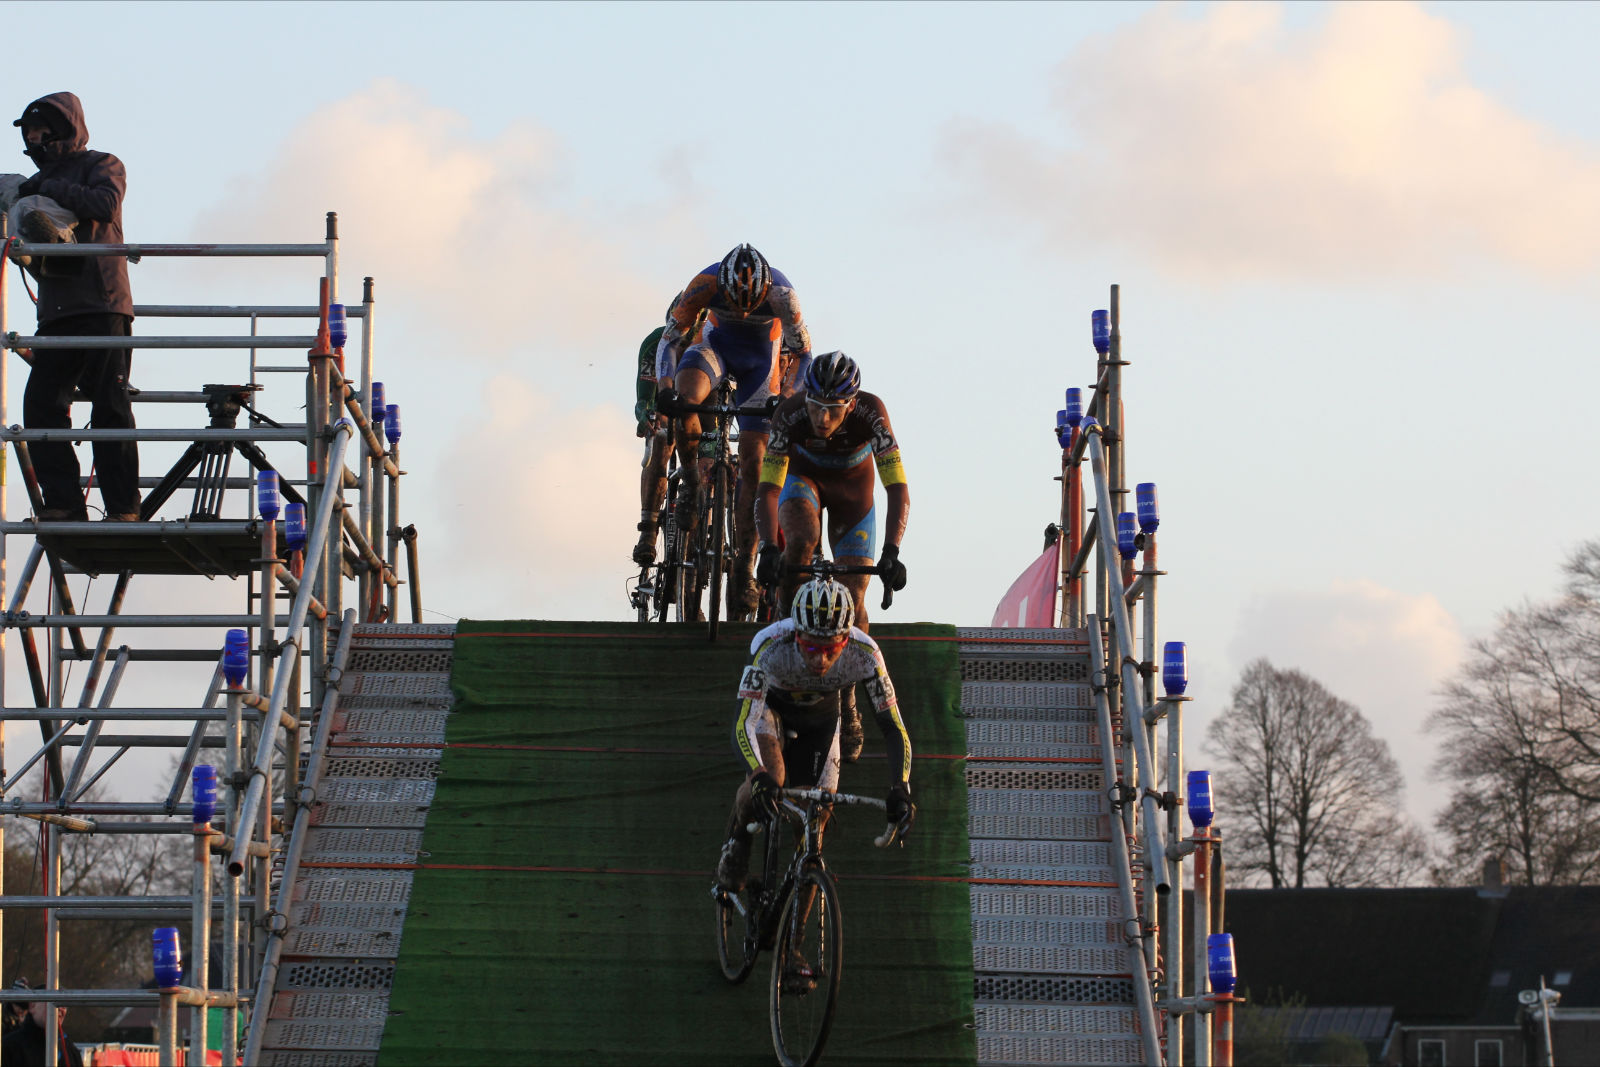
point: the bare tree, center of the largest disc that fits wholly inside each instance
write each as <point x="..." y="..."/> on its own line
<point x="1313" y="797"/>
<point x="1520" y="723"/>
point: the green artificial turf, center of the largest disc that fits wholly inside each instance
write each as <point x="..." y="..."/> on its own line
<point x="600" y="951"/>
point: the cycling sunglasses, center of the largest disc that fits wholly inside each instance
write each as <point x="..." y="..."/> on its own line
<point x="817" y="403"/>
<point x="817" y="646"/>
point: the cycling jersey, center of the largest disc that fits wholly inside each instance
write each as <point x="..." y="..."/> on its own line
<point x="727" y="331"/>
<point x="795" y="448"/>
<point x="778" y="692"/>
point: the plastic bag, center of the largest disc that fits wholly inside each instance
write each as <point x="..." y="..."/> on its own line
<point x="9" y="184"/>
<point x="47" y="222"/>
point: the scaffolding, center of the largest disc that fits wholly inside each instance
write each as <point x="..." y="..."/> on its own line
<point x="275" y="680"/>
<point x="1144" y="774"/>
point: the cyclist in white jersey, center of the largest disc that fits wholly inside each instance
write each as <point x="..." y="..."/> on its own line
<point x="788" y="725"/>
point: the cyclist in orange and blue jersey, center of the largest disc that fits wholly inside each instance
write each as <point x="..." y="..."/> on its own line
<point x="736" y="317"/>
<point x="826" y="441"/>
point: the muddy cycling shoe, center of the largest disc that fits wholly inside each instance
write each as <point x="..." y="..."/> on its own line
<point x="644" y="553"/>
<point x="851" y="737"/>
<point x="733" y="863"/>
<point x="798" y="976"/>
<point x="744" y="595"/>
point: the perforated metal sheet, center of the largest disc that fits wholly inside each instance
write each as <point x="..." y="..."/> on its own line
<point x="1055" y="1018"/>
<point x="995" y="1050"/>
<point x="1013" y="669"/>
<point x="986" y="695"/>
<point x="398" y="815"/>
<point x="1076" y="716"/>
<point x="376" y="791"/>
<point x="380" y="630"/>
<point x="1088" y="933"/>
<point x="343" y="763"/>
<point x="1041" y="802"/>
<point x="400" y="658"/>
<point x="363" y="845"/>
<point x="354" y="887"/>
<point x="1061" y="959"/>
<point x="1013" y="777"/>
<point x="1043" y="853"/>
<point x="336" y="974"/>
<point x="1021" y="873"/>
<point x="1075" y="635"/>
<point x="356" y="944"/>
<point x="391" y="725"/>
<point x="1040" y="827"/>
<point x="365" y="916"/>
<point x="1032" y="902"/>
<point x="331" y="1005"/>
<point x="989" y="732"/>
<point x="316" y="1034"/>
<point x="323" y="1058"/>
<point x="1047" y="987"/>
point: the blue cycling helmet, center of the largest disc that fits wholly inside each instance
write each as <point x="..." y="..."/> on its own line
<point x="833" y="376"/>
<point x="744" y="278"/>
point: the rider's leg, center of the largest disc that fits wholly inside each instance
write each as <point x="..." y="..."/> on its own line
<point x="735" y="859"/>
<point x="652" y="493"/>
<point x="752" y="448"/>
<point x="853" y="538"/>
<point x="800" y="519"/>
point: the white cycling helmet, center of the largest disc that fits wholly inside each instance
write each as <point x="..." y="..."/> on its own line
<point x="823" y="608"/>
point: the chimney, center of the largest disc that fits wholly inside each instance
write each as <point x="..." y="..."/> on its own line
<point x="1494" y="877"/>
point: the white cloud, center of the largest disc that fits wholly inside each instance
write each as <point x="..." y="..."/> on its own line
<point x="538" y="509"/>
<point x="1384" y="651"/>
<point x="480" y="236"/>
<point x="1228" y="145"/>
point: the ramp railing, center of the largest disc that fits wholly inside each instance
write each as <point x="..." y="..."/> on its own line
<point x="1147" y="778"/>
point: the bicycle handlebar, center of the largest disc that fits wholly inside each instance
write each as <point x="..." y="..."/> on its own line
<point x="892" y="831"/>
<point x="826" y="569"/>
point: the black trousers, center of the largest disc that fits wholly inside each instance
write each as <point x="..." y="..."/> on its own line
<point x="102" y="373"/>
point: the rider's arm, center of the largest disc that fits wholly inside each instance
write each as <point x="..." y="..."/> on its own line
<point x="681" y="317"/>
<point x="774" y="468"/>
<point x="786" y="307"/>
<point x="886" y="453"/>
<point x="886" y="712"/>
<point x="752" y="704"/>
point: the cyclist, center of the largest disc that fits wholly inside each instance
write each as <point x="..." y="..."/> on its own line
<point x="658" y="445"/>
<point x="822" y="438"/>
<point x="750" y="315"/>
<point x="788" y="725"/>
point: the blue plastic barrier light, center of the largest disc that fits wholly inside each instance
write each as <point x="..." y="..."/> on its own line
<point x="204" y="793"/>
<point x="1074" y="406"/>
<point x="1127" y="529"/>
<point x="1197" y="798"/>
<point x="267" y="494"/>
<point x="294" y="525"/>
<point x="1220" y="964"/>
<point x="375" y="408"/>
<point x="391" y="423"/>
<point x="168" y="956"/>
<point x="338" y="328"/>
<point x="1149" y="508"/>
<point x="1102" y="331"/>
<point x="236" y="657"/>
<point x="1175" y="668"/>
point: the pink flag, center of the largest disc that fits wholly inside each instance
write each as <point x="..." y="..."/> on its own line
<point x="1031" y="600"/>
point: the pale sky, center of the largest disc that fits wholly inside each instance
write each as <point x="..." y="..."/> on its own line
<point x="1357" y="244"/>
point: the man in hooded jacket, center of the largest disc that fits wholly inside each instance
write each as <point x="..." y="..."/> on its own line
<point x="80" y="297"/>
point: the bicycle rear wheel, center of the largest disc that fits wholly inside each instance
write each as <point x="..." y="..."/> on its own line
<point x="806" y="967"/>
<point x="715" y="524"/>
<point x="685" y="570"/>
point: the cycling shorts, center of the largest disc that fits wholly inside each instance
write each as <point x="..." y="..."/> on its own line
<point x="755" y="375"/>
<point x="852" y="514"/>
<point x="811" y="756"/>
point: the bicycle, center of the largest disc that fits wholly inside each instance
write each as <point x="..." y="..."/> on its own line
<point x="705" y="555"/>
<point x="793" y="911"/>
<point x="652" y="593"/>
<point x="771" y="610"/>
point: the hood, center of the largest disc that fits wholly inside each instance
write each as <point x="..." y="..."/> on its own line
<point x="64" y="112"/>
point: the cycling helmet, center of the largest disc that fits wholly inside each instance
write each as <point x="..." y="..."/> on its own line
<point x="822" y="608"/>
<point x="833" y="376"/>
<point x="744" y="278"/>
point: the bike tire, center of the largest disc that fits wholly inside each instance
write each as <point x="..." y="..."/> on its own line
<point x="685" y="590"/>
<point x="715" y="524"/>
<point x="736" y="951"/>
<point x="666" y="570"/>
<point x="801" y="1009"/>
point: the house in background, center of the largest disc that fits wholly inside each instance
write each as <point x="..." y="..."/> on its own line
<point x="1440" y="968"/>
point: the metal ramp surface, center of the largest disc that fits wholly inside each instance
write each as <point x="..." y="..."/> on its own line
<point x="1053" y="972"/>
<point x="332" y="995"/>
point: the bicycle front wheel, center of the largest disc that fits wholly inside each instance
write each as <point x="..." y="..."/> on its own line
<point x="716" y="527"/>
<point x="736" y="950"/>
<point x="806" y="968"/>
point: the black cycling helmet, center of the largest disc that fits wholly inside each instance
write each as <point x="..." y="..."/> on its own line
<point x="833" y="376"/>
<point x="744" y="278"/>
